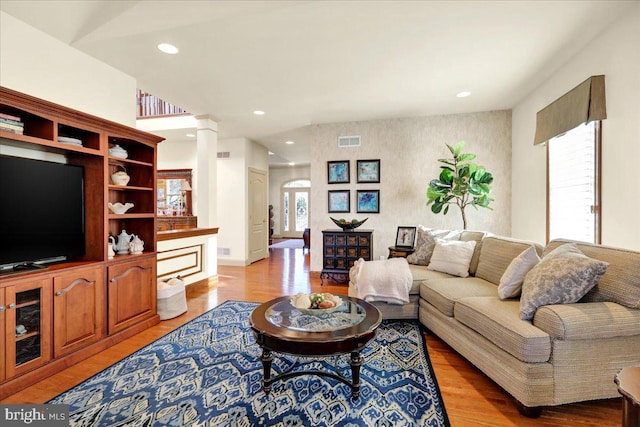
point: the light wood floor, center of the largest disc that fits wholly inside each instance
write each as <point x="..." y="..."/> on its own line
<point x="471" y="399"/>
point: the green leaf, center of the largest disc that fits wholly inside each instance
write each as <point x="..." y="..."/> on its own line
<point x="446" y="210"/>
<point x="436" y="208"/>
<point x="458" y="148"/>
<point x="438" y="185"/>
<point x="446" y="176"/>
<point x="466" y="157"/>
<point x="446" y="161"/>
<point x="463" y="170"/>
<point x="453" y="150"/>
<point x="433" y="194"/>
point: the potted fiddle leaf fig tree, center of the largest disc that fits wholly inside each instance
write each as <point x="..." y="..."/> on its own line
<point x="461" y="183"/>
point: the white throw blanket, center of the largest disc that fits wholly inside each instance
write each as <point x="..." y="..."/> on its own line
<point x="385" y="280"/>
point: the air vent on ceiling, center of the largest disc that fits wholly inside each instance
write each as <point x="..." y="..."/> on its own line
<point x="223" y="154"/>
<point x="349" y="141"/>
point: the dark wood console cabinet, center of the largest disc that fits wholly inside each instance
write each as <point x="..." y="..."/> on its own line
<point x="77" y="308"/>
<point x="341" y="249"/>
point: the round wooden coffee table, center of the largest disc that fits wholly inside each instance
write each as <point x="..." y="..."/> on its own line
<point x="281" y="328"/>
<point x="628" y="381"/>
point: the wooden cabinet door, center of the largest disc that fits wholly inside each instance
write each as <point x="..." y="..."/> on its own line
<point x="131" y="293"/>
<point x="28" y="304"/>
<point x="78" y="309"/>
<point x="3" y="309"/>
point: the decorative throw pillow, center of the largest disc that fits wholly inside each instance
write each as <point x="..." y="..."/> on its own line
<point x="426" y="241"/>
<point x="563" y="276"/>
<point x="452" y="257"/>
<point x="512" y="278"/>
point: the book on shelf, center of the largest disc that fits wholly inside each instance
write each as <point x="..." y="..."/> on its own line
<point x="3" y="127"/>
<point x="9" y="117"/>
<point x="11" y="126"/>
<point x="11" y="122"/>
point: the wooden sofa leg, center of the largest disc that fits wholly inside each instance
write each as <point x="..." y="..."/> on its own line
<point x="528" y="411"/>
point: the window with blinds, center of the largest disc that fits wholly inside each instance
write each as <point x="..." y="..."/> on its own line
<point x="573" y="189"/>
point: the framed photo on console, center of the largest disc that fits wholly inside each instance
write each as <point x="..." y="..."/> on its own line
<point x="406" y="237"/>
<point x="339" y="201"/>
<point x="338" y="172"/>
<point x="368" y="171"/>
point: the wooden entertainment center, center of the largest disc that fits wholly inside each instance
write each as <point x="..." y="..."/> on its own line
<point x="73" y="310"/>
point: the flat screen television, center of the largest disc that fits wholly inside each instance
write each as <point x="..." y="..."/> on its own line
<point x="41" y="213"/>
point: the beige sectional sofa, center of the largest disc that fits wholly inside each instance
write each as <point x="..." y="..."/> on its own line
<point x="566" y="353"/>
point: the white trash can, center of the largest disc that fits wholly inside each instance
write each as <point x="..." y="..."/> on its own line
<point x="172" y="299"/>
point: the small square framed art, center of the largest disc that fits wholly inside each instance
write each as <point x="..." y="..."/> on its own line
<point x="339" y="201"/>
<point x="338" y="172"/>
<point x="368" y="171"/>
<point x="368" y="201"/>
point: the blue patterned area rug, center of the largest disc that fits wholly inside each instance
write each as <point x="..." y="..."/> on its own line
<point x="208" y="373"/>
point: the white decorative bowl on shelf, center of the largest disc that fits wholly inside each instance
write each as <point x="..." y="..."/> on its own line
<point x="117" y="151"/>
<point x="119" y="208"/>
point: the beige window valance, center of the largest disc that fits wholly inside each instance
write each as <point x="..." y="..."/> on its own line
<point x="582" y="104"/>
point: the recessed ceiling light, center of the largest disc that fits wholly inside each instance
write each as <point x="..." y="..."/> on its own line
<point x="463" y="94"/>
<point x="289" y="142"/>
<point x="191" y="135"/>
<point x="271" y="153"/>
<point x="259" y="113"/>
<point x="291" y="164"/>
<point x="168" y="48"/>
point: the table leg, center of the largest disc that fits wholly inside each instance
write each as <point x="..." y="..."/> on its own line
<point x="267" y="359"/>
<point x="355" y="362"/>
<point x="630" y="413"/>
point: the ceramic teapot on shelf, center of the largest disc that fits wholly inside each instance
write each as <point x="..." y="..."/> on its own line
<point x="136" y="246"/>
<point x="122" y="247"/>
<point x="120" y="177"/>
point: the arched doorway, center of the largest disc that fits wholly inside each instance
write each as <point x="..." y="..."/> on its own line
<point x="295" y="207"/>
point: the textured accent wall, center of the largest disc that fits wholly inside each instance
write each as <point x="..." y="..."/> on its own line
<point x="408" y="149"/>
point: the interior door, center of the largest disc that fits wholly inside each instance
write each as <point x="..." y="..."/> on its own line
<point x="258" y="215"/>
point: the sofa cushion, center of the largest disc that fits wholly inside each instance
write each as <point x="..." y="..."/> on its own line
<point x="588" y="320"/>
<point x="621" y="282"/>
<point x="426" y="242"/>
<point x="452" y="257"/>
<point x="563" y="276"/>
<point x="496" y="255"/>
<point x="476" y="236"/>
<point x="511" y="281"/>
<point x="499" y="322"/>
<point x="421" y="273"/>
<point x="443" y="293"/>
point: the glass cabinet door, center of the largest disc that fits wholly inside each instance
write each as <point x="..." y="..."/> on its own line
<point x="28" y="343"/>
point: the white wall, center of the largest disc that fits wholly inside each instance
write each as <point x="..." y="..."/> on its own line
<point x="408" y="149"/>
<point x="35" y="63"/>
<point x="615" y="53"/>
<point x="233" y="198"/>
<point x="277" y="177"/>
<point x="177" y="155"/>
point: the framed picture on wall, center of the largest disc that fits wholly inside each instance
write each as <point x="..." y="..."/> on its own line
<point x="368" y="171"/>
<point x="339" y="201"/>
<point x="368" y="201"/>
<point x="338" y="172"/>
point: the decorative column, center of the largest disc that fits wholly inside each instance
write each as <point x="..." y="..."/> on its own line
<point x="206" y="180"/>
